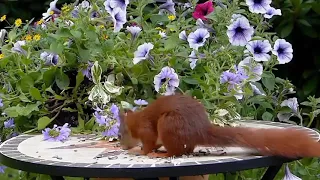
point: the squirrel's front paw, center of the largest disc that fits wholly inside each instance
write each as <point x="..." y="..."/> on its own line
<point x="135" y="151"/>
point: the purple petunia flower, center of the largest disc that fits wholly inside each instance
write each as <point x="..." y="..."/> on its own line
<point x="259" y="49"/>
<point x="231" y="78"/>
<point x="169" y="6"/>
<point x="119" y="18"/>
<point x="283" y="50"/>
<point x="183" y="35"/>
<point x="51" y="8"/>
<point x="272" y="12"/>
<point x="249" y="68"/>
<point x="17" y="47"/>
<point x="49" y="58"/>
<point x="57" y="133"/>
<point x="2" y="169"/>
<point x="198" y="38"/>
<point x="288" y="175"/>
<point x="134" y="31"/>
<point x="140" y="102"/>
<point x="201" y="24"/>
<point x="193" y="59"/>
<point x="112" y="131"/>
<point x="258" y="6"/>
<point x="122" y="4"/>
<point x="115" y="111"/>
<point x="168" y="78"/>
<point x="240" y="31"/>
<point x="1" y="103"/>
<point x="9" y="123"/>
<point x="142" y="52"/>
<point x="87" y="71"/>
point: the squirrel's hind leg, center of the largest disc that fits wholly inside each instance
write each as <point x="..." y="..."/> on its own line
<point x="174" y="135"/>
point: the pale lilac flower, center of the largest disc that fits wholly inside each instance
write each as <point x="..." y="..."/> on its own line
<point x="122" y="4"/>
<point x="119" y="18"/>
<point x="256" y="90"/>
<point x="85" y="5"/>
<point x="142" y="52"/>
<point x="283" y="50"/>
<point x="169" y="6"/>
<point x="140" y="102"/>
<point x="134" y="30"/>
<point x="9" y="123"/>
<point x="107" y="6"/>
<point x="49" y="58"/>
<point x="168" y="78"/>
<point x="193" y="59"/>
<point x="57" y="133"/>
<point x="288" y="175"/>
<point x="183" y="35"/>
<point x="17" y="47"/>
<point x="240" y="32"/>
<point x="259" y="49"/>
<point x="1" y="103"/>
<point x="198" y="38"/>
<point x="292" y="103"/>
<point x="272" y="12"/>
<point x="2" y="169"/>
<point x="258" y="6"/>
<point x="251" y="69"/>
<point x="51" y="8"/>
<point x="87" y="71"/>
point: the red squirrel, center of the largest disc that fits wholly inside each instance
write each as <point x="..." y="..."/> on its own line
<point x="180" y="123"/>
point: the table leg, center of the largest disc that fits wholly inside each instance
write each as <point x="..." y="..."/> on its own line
<point x="57" y="178"/>
<point x="271" y="172"/>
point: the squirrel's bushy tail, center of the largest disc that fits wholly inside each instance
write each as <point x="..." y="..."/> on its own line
<point x="285" y="142"/>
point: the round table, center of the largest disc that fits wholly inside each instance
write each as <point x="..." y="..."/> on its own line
<point x="87" y="156"/>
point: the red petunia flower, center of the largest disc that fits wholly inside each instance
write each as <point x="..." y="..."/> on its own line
<point x="203" y="10"/>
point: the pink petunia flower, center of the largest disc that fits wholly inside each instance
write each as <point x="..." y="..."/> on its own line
<point x="202" y="10"/>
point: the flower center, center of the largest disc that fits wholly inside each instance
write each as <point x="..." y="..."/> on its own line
<point x="257" y="50"/>
<point x="280" y="50"/>
<point x="257" y="1"/>
<point x="54" y="133"/>
<point x="239" y="29"/>
<point x="199" y="39"/>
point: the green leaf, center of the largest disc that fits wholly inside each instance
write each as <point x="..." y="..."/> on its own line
<point x="171" y="42"/>
<point x="71" y="58"/>
<point x="304" y="22"/>
<point x="62" y="80"/>
<point x="296" y="3"/>
<point x="267" y="116"/>
<point x="56" y="47"/>
<point x="43" y="122"/>
<point x="79" y="79"/>
<point x="26" y="83"/>
<point x="158" y="18"/>
<point x="35" y="93"/>
<point x="96" y="72"/>
<point x="190" y="81"/>
<point x="19" y="110"/>
<point x="49" y="76"/>
<point x="134" y="81"/>
<point x="81" y="122"/>
<point x="286" y="29"/>
<point x="268" y="80"/>
<point x="76" y="34"/>
<point x="89" y="125"/>
<point x="69" y="109"/>
<point x="24" y="98"/>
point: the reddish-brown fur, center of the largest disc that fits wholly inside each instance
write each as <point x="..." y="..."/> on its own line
<point x="181" y="123"/>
